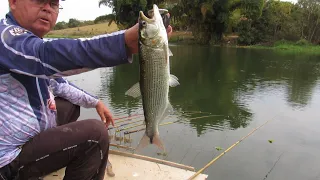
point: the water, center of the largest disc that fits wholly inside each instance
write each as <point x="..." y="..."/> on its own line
<point x="244" y="88"/>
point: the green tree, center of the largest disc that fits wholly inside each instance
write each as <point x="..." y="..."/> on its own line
<point x="310" y="19"/>
<point x="73" y="23"/>
<point x="278" y="20"/>
<point x="126" y="11"/>
<point x="61" y="25"/>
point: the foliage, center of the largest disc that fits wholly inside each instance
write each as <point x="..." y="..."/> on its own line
<point x="302" y="42"/>
<point x="283" y="20"/>
<point x="255" y="21"/>
<point x="105" y="18"/>
<point x="126" y="11"/>
<point x="61" y="25"/>
<point x="246" y="32"/>
<point x="73" y="23"/>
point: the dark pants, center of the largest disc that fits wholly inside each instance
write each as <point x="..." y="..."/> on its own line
<point x="82" y="147"/>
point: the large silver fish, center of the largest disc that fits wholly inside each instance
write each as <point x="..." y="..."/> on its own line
<point x="155" y="77"/>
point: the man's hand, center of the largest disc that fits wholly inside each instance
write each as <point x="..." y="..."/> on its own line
<point x="104" y="113"/>
<point x="132" y="37"/>
<point x="169" y="31"/>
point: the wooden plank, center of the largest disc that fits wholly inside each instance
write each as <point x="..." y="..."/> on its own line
<point x="160" y="161"/>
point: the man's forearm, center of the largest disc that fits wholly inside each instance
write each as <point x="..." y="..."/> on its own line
<point x="62" y="88"/>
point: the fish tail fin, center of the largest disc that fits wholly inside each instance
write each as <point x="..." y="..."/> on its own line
<point x="157" y="141"/>
<point x="145" y="140"/>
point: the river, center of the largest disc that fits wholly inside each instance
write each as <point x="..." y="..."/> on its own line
<point x="240" y="89"/>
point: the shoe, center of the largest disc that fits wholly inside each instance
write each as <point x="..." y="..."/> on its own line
<point x="109" y="171"/>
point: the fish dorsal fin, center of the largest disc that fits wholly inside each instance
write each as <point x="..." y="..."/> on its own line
<point x="134" y="91"/>
<point x="173" y="81"/>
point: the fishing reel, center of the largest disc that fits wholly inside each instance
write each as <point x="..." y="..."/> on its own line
<point x="164" y="14"/>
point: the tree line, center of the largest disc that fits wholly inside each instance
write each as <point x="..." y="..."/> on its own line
<point x="211" y="21"/>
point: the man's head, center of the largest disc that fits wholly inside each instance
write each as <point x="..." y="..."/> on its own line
<point x="37" y="16"/>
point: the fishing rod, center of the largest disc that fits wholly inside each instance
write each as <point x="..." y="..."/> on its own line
<point x="122" y="119"/>
<point x="135" y="122"/>
<point x="125" y="124"/>
<point x="231" y="147"/>
<point x="167" y="123"/>
<point x="130" y="132"/>
<point x="194" y="112"/>
<point x="140" y="115"/>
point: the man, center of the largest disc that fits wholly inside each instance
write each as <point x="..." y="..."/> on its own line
<point x="32" y="142"/>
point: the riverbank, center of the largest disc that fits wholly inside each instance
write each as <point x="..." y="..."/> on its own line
<point x="288" y="48"/>
<point x="185" y="37"/>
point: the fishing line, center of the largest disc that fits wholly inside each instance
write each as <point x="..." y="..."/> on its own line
<point x="174" y="145"/>
<point x="231" y="147"/>
<point x="184" y="156"/>
<point x="181" y="133"/>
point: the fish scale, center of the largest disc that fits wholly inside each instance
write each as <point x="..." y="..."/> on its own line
<point x="155" y="87"/>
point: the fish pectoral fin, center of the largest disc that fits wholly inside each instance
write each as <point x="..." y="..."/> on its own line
<point x="174" y="77"/>
<point x="134" y="91"/>
<point x="173" y="81"/>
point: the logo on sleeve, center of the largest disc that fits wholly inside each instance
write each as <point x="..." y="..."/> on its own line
<point x="17" y="31"/>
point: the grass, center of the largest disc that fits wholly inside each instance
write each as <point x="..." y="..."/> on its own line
<point x="103" y="28"/>
<point x="84" y="31"/>
<point x="291" y="48"/>
<point x="184" y="37"/>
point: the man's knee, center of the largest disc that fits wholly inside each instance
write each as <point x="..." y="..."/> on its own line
<point x="99" y="132"/>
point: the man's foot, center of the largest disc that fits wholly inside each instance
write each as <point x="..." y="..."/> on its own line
<point x="109" y="171"/>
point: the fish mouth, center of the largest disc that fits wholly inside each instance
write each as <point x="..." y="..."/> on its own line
<point x="145" y="18"/>
<point x="155" y="7"/>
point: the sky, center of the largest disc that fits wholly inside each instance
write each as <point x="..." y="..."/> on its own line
<point x="86" y="10"/>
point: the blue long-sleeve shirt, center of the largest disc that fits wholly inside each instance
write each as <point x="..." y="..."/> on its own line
<point x="31" y="72"/>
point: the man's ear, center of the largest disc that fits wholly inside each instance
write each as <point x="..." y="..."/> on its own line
<point x="12" y="4"/>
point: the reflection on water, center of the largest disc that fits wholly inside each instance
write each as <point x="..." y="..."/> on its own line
<point x="220" y="81"/>
<point x="240" y="88"/>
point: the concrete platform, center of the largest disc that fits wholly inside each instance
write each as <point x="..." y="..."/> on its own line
<point x="128" y="166"/>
